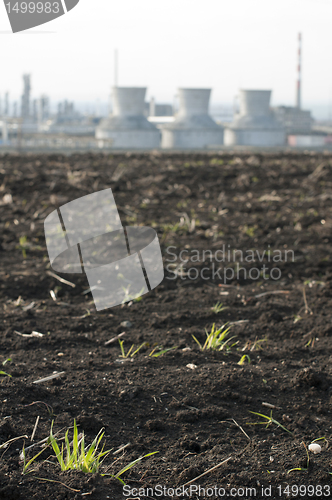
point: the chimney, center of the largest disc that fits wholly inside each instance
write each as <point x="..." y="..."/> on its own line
<point x="298" y="86"/>
<point x="255" y="102"/>
<point x="128" y="101"/>
<point x="194" y="102"/>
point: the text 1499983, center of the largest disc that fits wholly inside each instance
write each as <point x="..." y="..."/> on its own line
<point x="33" y="7"/>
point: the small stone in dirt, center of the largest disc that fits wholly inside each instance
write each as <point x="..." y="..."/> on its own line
<point x="7" y="199"/>
<point x="191" y="366"/>
<point x="315" y="448"/>
<point x="6" y="431"/>
<point x="191" y="473"/>
<point x="311" y="378"/>
<point x="155" y="425"/>
<point x="126" y="324"/>
<point x="130" y="392"/>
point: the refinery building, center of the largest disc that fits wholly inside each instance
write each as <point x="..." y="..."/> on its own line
<point x="132" y="123"/>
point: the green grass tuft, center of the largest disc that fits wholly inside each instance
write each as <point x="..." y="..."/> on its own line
<point x="131" y="352"/>
<point x="268" y="420"/>
<point x="243" y="359"/>
<point x="3" y="364"/>
<point x="218" y="307"/>
<point x="217" y="339"/>
<point x="76" y="456"/>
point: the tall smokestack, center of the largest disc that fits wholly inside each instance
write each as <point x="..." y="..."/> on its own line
<point x="116" y="68"/>
<point x="6" y="110"/>
<point x="298" y="88"/>
<point x="25" y="109"/>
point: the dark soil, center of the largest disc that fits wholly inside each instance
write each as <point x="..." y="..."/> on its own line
<point x="191" y="406"/>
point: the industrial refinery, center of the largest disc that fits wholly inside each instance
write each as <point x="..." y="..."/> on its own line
<point x="136" y="124"/>
<point x="256" y="124"/>
<point x="127" y="127"/>
<point x="192" y="127"/>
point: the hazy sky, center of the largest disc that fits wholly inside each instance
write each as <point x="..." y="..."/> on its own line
<point x="223" y="44"/>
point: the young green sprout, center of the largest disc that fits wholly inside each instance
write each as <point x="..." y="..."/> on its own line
<point x="254" y="346"/>
<point x="74" y="455"/>
<point x="3" y="364"/>
<point x="269" y="420"/>
<point x="131" y="352"/>
<point x="26" y="464"/>
<point x="218" y="307"/>
<point x="161" y="351"/>
<point x="129" y="466"/>
<point x="23" y="245"/>
<point x="302" y="469"/>
<point x="243" y="359"/>
<point x="77" y="456"/>
<point x="216" y="339"/>
<point x="134" y="297"/>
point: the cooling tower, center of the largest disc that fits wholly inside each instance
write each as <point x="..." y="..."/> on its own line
<point x="255" y="124"/>
<point x="192" y="128"/>
<point x="127" y="127"/>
